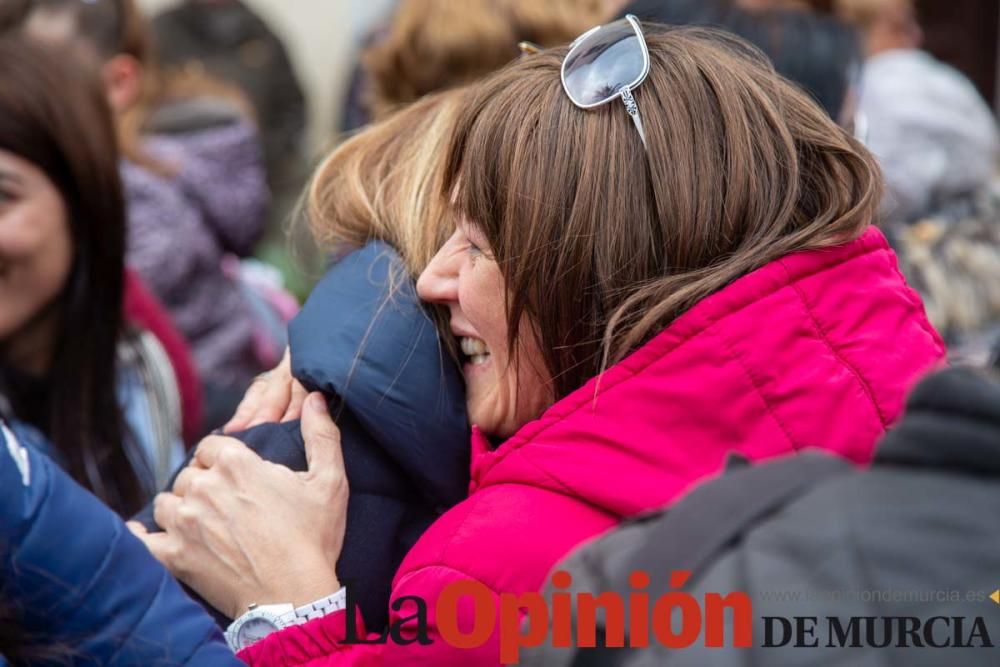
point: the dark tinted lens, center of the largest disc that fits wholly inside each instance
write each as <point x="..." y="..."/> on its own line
<point x="603" y="64"/>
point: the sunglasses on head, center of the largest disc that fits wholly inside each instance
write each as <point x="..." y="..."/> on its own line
<point x="604" y="64"/>
<point x="607" y="63"/>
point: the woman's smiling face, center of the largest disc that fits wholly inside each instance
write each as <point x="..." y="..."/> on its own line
<point x="36" y="255"/>
<point x="502" y="394"/>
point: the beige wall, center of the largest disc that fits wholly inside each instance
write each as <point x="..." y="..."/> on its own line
<point x="321" y="36"/>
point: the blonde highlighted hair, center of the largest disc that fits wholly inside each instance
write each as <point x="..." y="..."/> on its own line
<point x="386" y="183"/>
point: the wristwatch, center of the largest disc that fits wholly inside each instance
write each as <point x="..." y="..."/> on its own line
<point x="260" y="621"/>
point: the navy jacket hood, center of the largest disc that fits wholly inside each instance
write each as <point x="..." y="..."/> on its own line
<point x="364" y="336"/>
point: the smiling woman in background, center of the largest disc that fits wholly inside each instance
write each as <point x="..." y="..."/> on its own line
<point x="69" y="365"/>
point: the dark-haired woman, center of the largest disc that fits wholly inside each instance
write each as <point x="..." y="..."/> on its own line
<point x="195" y="188"/>
<point x="664" y="256"/>
<point x="101" y="391"/>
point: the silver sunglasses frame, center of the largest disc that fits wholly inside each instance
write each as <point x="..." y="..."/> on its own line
<point x="625" y="95"/>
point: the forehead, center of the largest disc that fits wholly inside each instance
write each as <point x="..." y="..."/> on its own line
<point x="470" y="227"/>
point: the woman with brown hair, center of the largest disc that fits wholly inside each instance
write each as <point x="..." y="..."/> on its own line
<point x="639" y="290"/>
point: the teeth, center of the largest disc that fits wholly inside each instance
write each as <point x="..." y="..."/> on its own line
<point x="478" y="359"/>
<point x="474" y="347"/>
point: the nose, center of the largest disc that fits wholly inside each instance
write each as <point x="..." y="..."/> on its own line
<point x="439" y="281"/>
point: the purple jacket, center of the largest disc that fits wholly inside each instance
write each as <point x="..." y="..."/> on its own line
<point x="182" y="225"/>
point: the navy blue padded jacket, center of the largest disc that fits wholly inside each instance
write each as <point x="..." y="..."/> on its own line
<point x="75" y="579"/>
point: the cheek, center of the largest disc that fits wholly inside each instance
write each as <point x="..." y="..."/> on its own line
<point x="520" y="392"/>
<point x="36" y="254"/>
<point x="510" y="395"/>
<point x="481" y="298"/>
<point x="533" y="382"/>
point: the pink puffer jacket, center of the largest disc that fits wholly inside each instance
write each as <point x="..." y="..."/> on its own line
<point x="818" y="349"/>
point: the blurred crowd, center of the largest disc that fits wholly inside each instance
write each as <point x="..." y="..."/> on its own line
<point x="794" y="220"/>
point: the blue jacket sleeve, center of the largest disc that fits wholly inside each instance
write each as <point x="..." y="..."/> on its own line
<point x="76" y="577"/>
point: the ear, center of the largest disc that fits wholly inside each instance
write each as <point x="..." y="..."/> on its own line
<point x="122" y="76"/>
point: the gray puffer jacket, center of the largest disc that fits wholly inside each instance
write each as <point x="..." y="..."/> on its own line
<point x="877" y="568"/>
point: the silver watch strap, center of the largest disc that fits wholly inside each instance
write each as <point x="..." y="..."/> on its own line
<point x="322" y="607"/>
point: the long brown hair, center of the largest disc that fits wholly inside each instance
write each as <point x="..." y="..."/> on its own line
<point x="57" y="118"/>
<point x="19" y="647"/>
<point x="385" y="184"/>
<point x="13" y="14"/>
<point x="603" y="243"/>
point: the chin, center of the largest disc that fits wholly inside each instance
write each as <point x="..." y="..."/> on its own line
<point x="487" y="424"/>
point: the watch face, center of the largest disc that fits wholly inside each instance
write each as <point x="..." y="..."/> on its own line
<point x="253" y="630"/>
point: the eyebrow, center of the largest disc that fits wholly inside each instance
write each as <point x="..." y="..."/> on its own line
<point x="10" y="176"/>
